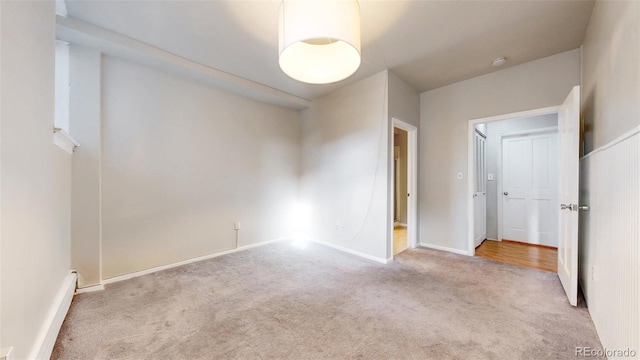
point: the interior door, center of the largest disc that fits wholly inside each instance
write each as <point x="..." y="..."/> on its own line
<point x="480" y="191"/>
<point x="530" y="188"/>
<point x="568" y="153"/>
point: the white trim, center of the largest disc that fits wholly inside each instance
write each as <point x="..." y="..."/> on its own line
<point x="353" y="252"/>
<point x="544" y="130"/>
<point x="613" y="142"/>
<point x="519" y="114"/>
<point x="185" y="262"/>
<point x="492" y="239"/>
<point x="100" y="177"/>
<point x="412" y="186"/>
<point x="6" y="353"/>
<point x="64" y="140"/>
<point x="89" y="289"/>
<point x="401" y="224"/>
<point x="470" y="148"/>
<point x="57" y="312"/>
<point x="444" y="248"/>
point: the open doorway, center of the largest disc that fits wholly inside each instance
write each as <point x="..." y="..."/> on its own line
<point x="480" y="184"/>
<point x="566" y="203"/>
<point x="400" y="190"/>
<point x="516" y="191"/>
<point x="403" y="232"/>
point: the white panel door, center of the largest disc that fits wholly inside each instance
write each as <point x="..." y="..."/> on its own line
<point x="529" y="185"/>
<point x="568" y="153"/>
<point x="480" y="190"/>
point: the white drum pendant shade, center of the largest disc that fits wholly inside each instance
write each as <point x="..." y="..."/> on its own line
<point x="319" y="39"/>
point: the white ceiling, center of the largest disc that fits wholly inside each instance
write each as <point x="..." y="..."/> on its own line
<point x="429" y="44"/>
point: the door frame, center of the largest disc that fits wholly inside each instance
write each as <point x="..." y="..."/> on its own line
<point x="484" y="166"/>
<point x="545" y="130"/>
<point x="470" y="149"/>
<point x="412" y="185"/>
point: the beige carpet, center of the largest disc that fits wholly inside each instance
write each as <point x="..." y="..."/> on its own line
<point x="282" y="302"/>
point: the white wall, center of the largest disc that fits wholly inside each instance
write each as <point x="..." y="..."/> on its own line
<point x="168" y="165"/>
<point x="404" y="101"/>
<point x="611" y="74"/>
<point x="345" y="155"/>
<point x="181" y="162"/>
<point x="35" y="179"/>
<point x="609" y="271"/>
<point x="348" y="162"/>
<point x="444" y="115"/>
<point x="493" y="130"/>
<point x="610" y="175"/>
<point x="62" y="85"/>
<point x="85" y="127"/>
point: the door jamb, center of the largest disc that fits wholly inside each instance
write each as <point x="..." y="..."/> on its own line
<point x="470" y="148"/>
<point x="412" y="184"/>
<point x="483" y="135"/>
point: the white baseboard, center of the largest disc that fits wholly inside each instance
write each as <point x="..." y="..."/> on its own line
<point x="403" y="224"/>
<point x="492" y="239"/>
<point x="353" y="252"/>
<point x="444" y="248"/>
<point x="185" y="262"/>
<point x="57" y="312"/>
<point x="89" y="289"/>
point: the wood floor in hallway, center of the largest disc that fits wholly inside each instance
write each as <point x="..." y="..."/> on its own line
<point x="521" y="254"/>
<point x="399" y="239"/>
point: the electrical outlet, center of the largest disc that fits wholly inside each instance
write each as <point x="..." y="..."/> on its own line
<point x="460" y="176"/>
<point x="339" y="227"/>
<point x="490" y="177"/>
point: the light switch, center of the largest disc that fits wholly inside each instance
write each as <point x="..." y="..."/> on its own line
<point x="489" y="177"/>
<point x="460" y="176"/>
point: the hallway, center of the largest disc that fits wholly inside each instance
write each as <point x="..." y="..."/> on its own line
<point x="521" y="254"/>
<point x="399" y="239"/>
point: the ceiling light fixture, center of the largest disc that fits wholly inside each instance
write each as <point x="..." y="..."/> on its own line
<point x="319" y="39"/>
<point x="499" y="61"/>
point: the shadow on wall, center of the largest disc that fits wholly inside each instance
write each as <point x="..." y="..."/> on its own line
<point x="344" y="157"/>
<point x="587" y="121"/>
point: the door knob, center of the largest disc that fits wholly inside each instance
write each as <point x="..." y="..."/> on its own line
<point x="506" y="193"/>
